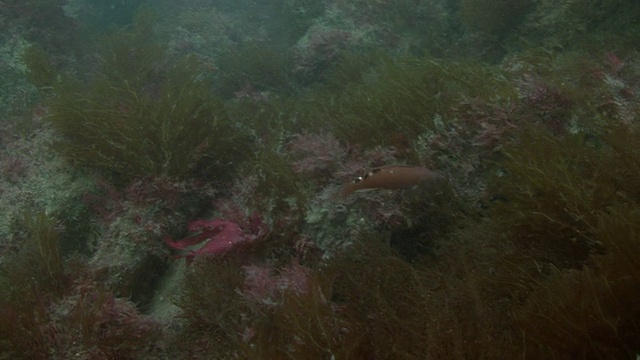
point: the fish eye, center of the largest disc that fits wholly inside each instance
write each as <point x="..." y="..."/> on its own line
<point x="358" y="179"/>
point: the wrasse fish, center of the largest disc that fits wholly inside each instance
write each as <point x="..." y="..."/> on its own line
<point x="392" y="177"/>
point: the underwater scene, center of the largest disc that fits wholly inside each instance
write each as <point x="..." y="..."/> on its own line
<point x="319" y="179"/>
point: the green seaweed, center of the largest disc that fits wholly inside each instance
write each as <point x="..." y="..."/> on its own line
<point x="548" y="191"/>
<point x="145" y="115"/>
<point x="27" y="281"/>
<point x="302" y="327"/>
<point x="586" y="24"/>
<point x="593" y="310"/>
<point x="494" y="17"/>
<point x="132" y="54"/>
<point x="41" y="21"/>
<point x="51" y="307"/>
<point x="368" y="302"/>
<point x="556" y="187"/>
<point x="213" y="306"/>
<point x="289" y="20"/>
<point x="280" y="188"/>
<point x="402" y="97"/>
<point x="40" y="71"/>
<point x="42" y="248"/>
<point x="252" y="68"/>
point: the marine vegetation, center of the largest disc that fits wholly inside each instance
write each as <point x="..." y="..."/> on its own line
<point x="570" y="204"/>
<point x="402" y="98"/>
<point x="44" y="21"/>
<point x="590" y="23"/>
<point x="301" y="312"/>
<point x="503" y="211"/>
<point x="593" y="310"/>
<point x="41" y="73"/>
<point x="557" y="188"/>
<point x="252" y="71"/>
<point x="143" y="114"/>
<point x="493" y="17"/>
<point x="52" y="308"/>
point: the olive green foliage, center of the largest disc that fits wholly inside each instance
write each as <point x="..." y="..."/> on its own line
<point x="351" y="310"/>
<point x="430" y="213"/>
<point x="43" y="21"/>
<point x="45" y="182"/>
<point x="570" y="207"/>
<point x="574" y="87"/>
<point x="351" y="67"/>
<point x="378" y="323"/>
<point x="550" y="192"/>
<point x="403" y="97"/>
<point x="495" y="17"/>
<point x="22" y="324"/>
<point x="40" y="256"/>
<point x="271" y="123"/>
<point x="283" y="188"/>
<point x="145" y="115"/>
<point x="557" y="188"/>
<point x="571" y="204"/>
<point x="132" y="54"/>
<point x="43" y="246"/>
<point x="595" y="310"/>
<point x="487" y="28"/>
<point x="574" y="24"/>
<point x="622" y="166"/>
<point x="213" y="306"/>
<point x="303" y="327"/>
<point x="253" y="68"/>
<point x="565" y="245"/>
<point x="289" y="19"/>
<point x="51" y="308"/>
<point x="34" y="273"/>
<point x="40" y="71"/>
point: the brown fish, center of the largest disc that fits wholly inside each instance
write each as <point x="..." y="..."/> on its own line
<point x="392" y="177"/>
